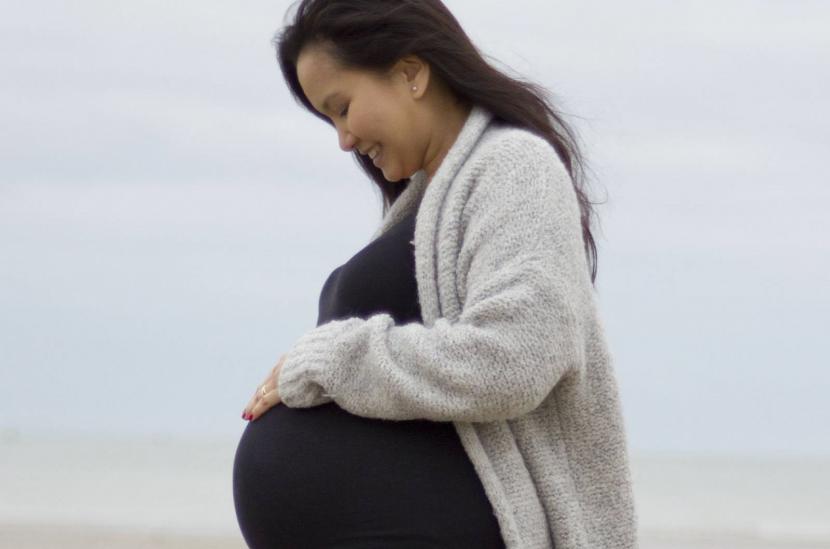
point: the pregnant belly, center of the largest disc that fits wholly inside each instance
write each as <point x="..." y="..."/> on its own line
<point x="322" y="473"/>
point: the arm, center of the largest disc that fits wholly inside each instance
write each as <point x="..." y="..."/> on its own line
<point x="524" y="277"/>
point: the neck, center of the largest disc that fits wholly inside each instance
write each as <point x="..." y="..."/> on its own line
<point x="453" y="122"/>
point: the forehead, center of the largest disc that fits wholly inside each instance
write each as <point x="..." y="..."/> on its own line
<point x="319" y="75"/>
<point x="315" y="66"/>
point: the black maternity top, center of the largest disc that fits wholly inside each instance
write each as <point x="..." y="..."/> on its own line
<point x="321" y="477"/>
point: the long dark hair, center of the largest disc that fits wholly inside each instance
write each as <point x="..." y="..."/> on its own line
<point x="372" y="35"/>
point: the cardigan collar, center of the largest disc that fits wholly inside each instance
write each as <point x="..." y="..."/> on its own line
<point x="417" y="188"/>
<point x="428" y="199"/>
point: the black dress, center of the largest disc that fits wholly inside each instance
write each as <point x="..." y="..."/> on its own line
<point x="321" y="477"/>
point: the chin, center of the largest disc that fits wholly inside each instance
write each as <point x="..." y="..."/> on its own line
<point x="390" y="179"/>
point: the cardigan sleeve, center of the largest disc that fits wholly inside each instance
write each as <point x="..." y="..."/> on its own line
<point x="523" y="282"/>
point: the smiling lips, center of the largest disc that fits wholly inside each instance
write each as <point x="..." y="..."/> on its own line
<point x="375" y="154"/>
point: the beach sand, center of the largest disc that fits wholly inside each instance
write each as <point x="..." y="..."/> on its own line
<point x="50" y="536"/>
<point x="74" y="493"/>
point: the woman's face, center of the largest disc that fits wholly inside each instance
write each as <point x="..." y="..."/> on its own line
<point x="368" y="111"/>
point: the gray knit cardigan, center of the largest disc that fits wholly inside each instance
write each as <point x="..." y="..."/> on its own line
<point x="511" y="350"/>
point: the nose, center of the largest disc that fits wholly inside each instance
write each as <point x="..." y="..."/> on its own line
<point x="347" y="140"/>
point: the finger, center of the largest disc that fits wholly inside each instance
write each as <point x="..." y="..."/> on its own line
<point x="268" y="401"/>
<point x="278" y="365"/>
<point x="269" y="382"/>
<point x="270" y="385"/>
<point x="268" y="377"/>
<point x="247" y="410"/>
<point x="254" y="399"/>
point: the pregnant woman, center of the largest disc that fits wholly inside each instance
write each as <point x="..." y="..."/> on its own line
<point x="457" y="390"/>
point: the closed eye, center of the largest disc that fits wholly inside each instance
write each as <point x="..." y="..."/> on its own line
<point x="345" y="111"/>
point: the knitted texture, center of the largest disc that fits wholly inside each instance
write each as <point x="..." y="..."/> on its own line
<point x="511" y="348"/>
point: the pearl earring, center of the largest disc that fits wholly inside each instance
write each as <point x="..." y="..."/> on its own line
<point x="414" y="88"/>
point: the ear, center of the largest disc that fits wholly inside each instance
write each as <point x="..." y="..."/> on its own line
<point x="413" y="71"/>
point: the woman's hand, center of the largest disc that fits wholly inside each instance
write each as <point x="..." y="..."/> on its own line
<point x="266" y="395"/>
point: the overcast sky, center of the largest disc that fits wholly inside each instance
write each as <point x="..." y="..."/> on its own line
<point x="168" y="214"/>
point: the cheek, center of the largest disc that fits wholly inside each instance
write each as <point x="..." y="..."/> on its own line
<point x="375" y="121"/>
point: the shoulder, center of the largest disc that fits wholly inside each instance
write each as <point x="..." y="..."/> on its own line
<point x="511" y="164"/>
<point x="499" y="136"/>
<point x="510" y="147"/>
